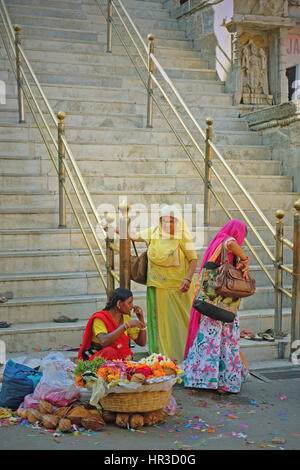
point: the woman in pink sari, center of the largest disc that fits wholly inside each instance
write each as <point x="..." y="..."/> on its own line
<point x="212" y="356"/>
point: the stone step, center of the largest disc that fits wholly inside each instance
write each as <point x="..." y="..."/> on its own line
<point x="43" y="12"/>
<point x="116" y="93"/>
<point x="99" y="49"/>
<point x="30" y="198"/>
<point x="123" y="119"/>
<point x="44" y="309"/>
<point x="135" y="10"/>
<point x="155" y="154"/>
<point x="98" y="183"/>
<point x="30" y="29"/>
<point x="105" y="135"/>
<point x="24" y="337"/>
<point x="114" y="67"/>
<point x="53" y="4"/>
<point x="72" y="239"/>
<point x="50" y="260"/>
<point x="84" y="59"/>
<point x="26" y="285"/>
<point x="26" y="167"/>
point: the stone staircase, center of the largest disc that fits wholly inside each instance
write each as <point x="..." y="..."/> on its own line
<point x="48" y="269"/>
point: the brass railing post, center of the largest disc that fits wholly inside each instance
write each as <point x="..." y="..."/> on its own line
<point x="150" y="38"/>
<point x="17" y="29"/>
<point x="278" y="273"/>
<point x="62" y="170"/>
<point x="109" y="26"/>
<point x="295" y="320"/>
<point x="208" y="164"/>
<point x="110" y="256"/>
<point x="124" y="246"/>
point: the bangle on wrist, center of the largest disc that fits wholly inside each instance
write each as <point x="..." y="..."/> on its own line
<point x="187" y="279"/>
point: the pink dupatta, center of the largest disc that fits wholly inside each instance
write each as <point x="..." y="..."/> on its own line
<point x="234" y="228"/>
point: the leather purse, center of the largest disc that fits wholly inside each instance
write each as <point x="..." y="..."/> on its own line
<point x="229" y="281"/>
<point x="138" y="266"/>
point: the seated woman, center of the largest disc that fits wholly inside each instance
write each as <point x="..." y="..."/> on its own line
<point x="108" y="331"/>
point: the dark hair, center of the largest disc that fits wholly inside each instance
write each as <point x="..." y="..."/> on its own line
<point x="116" y="295"/>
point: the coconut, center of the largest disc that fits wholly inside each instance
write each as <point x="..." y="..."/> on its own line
<point x="76" y="415"/>
<point x="22" y="413"/>
<point x="108" y="416"/>
<point x="33" y="415"/>
<point x="61" y="412"/>
<point x="136" y="421"/>
<point x="50" y="421"/>
<point x="45" y="407"/>
<point x="65" y="425"/>
<point x="138" y="377"/>
<point x="122" y="419"/>
<point x="169" y="371"/>
<point x="95" y="423"/>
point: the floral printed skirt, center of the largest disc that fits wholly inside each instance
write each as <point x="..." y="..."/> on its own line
<point x="213" y="361"/>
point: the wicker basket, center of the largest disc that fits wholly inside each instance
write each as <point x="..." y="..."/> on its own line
<point x="136" y="402"/>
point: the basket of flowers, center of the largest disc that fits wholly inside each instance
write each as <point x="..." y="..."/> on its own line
<point x="135" y="387"/>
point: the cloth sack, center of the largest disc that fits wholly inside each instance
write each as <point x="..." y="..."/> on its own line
<point x="18" y="381"/>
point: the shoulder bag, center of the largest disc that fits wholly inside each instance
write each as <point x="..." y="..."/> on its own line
<point x="139" y="265"/>
<point x="208" y="303"/>
<point x="229" y="281"/>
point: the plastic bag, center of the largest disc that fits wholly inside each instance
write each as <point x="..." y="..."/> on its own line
<point x="57" y="384"/>
<point x="171" y="407"/>
<point x="18" y="381"/>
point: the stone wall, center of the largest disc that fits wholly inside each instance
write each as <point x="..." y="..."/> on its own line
<point x="280" y="128"/>
<point x="229" y="32"/>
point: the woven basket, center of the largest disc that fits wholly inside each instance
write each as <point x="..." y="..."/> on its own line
<point x="136" y="402"/>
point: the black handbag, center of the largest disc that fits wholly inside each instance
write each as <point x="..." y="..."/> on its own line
<point x="211" y="304"/>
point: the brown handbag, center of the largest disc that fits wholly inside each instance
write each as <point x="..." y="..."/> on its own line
<point x="138" y="266"/>
<point x="229" y="281"/>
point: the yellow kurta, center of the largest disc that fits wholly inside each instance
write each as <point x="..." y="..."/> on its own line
<point x="168" y="309"/>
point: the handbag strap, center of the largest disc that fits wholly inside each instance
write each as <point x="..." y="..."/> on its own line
<point x="148" y="244"/>
<point x="224" y="253"/>
<point x="201" y="284"/>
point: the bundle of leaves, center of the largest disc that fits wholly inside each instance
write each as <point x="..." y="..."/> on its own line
<point x="88" y="366"/>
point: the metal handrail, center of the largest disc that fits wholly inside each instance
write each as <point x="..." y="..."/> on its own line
<point x="167" y="80"/>
<point x="11" y="39"/>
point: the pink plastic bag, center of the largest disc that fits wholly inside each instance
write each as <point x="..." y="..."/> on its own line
<point x="57" y="384"/>
<point x="171" y="407"/>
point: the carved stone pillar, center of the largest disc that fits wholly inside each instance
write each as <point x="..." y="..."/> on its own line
<point x="236" y="78"/>
<point x="283" y="96"/>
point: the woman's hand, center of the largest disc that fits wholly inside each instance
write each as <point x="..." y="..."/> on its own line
<point x="244" y="267"/>
<point x="136" y="324"/>
<point x="139" y="313"/>
<point x="185" y="285"/>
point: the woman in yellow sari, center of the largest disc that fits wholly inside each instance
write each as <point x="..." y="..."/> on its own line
<point x="172" y="261"/>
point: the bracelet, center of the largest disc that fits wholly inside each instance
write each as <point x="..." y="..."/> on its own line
<point x="187" y="279"/>
<point x="126" y="326"/>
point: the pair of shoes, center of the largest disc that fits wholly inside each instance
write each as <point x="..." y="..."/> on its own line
<point x="64" y="319"/>
<point x="267" y="335"/>
<point x="4" y="324"/>
<point x="249" y="335"/>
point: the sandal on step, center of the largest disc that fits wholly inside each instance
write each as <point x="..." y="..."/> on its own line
<point x="246" y="334"/>
<point x="267" y="335"/>
<point x="64" y="319"/>
<point x="4" y="324"/>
